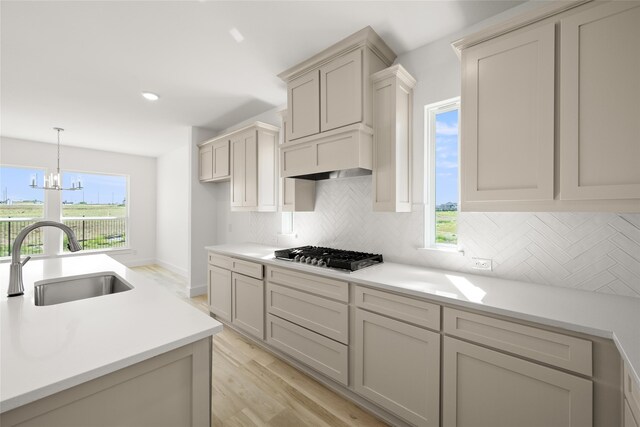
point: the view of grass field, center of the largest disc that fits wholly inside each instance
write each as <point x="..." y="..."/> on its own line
<point x="446" y="227"/>
<point x="108" y="230"/>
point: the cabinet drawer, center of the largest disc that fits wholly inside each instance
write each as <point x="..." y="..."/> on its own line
<point x="322" y="286"/>
<point x="247" y="268"/>
<point x="408" y="309"/>
<point x="326" y="317"/>
<point x="555" y="349"/>
<point x="320" y="353"/>
<point x="220" y="261"/>
<point x="632" y="392"/>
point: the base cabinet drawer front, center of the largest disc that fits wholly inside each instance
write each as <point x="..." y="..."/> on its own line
<point x="398" y="367"/>
<point x="484" y="388"/>
<point x="220" y="292"/>
<point x="321" y="315"/>
<point x="248" y="304"/>
<point x="334" y="289"/>
<point x="320" y="353"/>
<point x="629" y="419"/>
<point x="247" y="268"/>
<point x="574" y="354"/>
<point x="421" y="313"/>
<point x="220" y="261"/>
<point x="632" y="392"/>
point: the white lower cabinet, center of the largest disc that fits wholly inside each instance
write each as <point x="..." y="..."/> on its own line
<point x="482" y="387"/>
<point x="631" y="399"/>
<point x="629" y="419"/>
<point x="248" y="304"/>
<point x="398" y="367"/>
<point x="220" y="292"/>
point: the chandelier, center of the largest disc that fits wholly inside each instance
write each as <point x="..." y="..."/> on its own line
<point x="52" y="181"/>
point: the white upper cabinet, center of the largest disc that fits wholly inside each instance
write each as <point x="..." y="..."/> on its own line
<point x="214" y="160"/>
<point x="550" y="111"/>
<point x="508" y="117"/>
<point x="253" y="174"/>
<point x="331" y="89"/>
<point x="341" y="91"/>
<point x="303" y="95"/>
<point x="392" y="112"/>
<point x="600" y="103"/>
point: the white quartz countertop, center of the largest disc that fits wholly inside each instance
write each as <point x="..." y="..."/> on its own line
<point x="48" y="349"/>
<point x="602" y="315"/>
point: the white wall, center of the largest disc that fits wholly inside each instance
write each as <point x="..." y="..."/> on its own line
<point x="142" y="185"/>
<point x="173" y="211"/>
<point x="202" y="216"/>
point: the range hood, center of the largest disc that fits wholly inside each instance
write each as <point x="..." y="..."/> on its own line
<point x="340" y="153"/>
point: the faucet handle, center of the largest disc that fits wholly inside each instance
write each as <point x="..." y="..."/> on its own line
<point x="26" y="260"/>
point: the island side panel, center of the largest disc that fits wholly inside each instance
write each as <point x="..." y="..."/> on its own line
<point x="170" y="389"/>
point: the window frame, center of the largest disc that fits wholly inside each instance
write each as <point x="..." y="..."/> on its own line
<point x="430" y="113"/>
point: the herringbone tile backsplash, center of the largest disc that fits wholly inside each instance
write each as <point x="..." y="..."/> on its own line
<point x="593" y="251"/>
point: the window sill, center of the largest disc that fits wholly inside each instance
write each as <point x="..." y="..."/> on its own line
<point x="444" y="249"/>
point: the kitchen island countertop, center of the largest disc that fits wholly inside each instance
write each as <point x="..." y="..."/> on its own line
<point x="602" y="315"/>
<point x="48" y="349"/>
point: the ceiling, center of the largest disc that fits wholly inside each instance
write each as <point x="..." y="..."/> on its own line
<point x="82" y="65"/>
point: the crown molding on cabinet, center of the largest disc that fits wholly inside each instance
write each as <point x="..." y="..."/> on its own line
<point x="228" y="135"/>
<point x="365" y="37"/>
<point x="520" y="21"/>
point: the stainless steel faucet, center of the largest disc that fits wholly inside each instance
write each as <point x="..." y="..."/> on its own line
<point x="15" y="274"/>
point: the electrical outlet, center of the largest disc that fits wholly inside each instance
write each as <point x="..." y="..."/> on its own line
<point x="481" y="264"/>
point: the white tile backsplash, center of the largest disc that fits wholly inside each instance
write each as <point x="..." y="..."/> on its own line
<point x="593" y="251"/>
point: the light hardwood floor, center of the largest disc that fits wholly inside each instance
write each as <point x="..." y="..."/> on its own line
<point x="251" y="387"/>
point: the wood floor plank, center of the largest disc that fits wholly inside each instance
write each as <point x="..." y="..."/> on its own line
<point x="251" y="387"/>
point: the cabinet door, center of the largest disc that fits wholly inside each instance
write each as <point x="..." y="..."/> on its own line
<point x="250" y="170"/>
<point x="341" y="91"/>
<point x="484" y="388"/>
<point x="266" y="178"/>
<point x="508" y="118"/>
<point x="206" y="162"/>
<point x="600" y="103"/>
<point x="220" y="292"/>
<point x="629" y="419"/>
<point x="238" y="155"/>
<point x="303" y="96"/>
<point x="220" y="159"/>
<point x="248" y="304"/>
<point x="398" y="367"/>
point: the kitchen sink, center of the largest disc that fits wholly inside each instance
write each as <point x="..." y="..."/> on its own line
<point x="65" y="289"/>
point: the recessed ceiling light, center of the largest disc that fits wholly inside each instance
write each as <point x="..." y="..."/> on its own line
<point x="150" y="96"/>
<point x="237" y="35"/>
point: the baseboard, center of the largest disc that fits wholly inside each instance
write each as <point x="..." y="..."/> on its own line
<point x="194" y="291"/>
<point x="172" y="268"/>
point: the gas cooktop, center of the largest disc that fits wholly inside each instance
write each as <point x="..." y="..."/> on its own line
<point x="329" y="257"/>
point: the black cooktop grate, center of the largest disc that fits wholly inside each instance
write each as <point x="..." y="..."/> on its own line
<point x="329" y="257"/>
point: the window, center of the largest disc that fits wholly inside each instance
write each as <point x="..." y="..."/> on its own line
<point x="442" y="173"/>
<point x="97" y="213"/>
<point x="20" y="205"/>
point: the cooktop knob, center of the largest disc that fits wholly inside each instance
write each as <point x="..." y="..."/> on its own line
<point x="314" y="261"/>
<point x="308" y="260"/>
<point x="296" y="258"/>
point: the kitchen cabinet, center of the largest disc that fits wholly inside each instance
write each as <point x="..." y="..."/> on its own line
<point x="296" y="195"/>
<point x="533" y="133"/>
<point x="171" y="389"/>
<point x="214" y="160"/>
<point x="308" y="319"/>
<point x="483" y="387"/>
<point x="600" y="103"/>
<point x="332" y="88"/>
<point x="253" y="175"/>
<point x="398" y="367"/>
<point x="341" y="91"/>
<point x="219" y="295"/>
<point x="330" y="107"/>
<point x="248" y="304"/>
<point x="507" y="118"/>
<point x="631" y="399"/>
<point x="393" y="111"/>
<point x="236" y="293"/>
